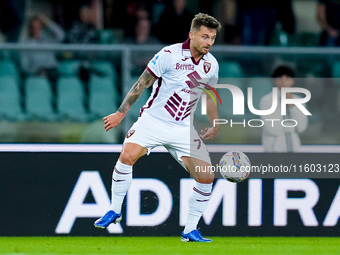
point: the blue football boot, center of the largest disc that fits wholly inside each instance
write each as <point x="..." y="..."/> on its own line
<point x="194" y="236"/>
<point x="107" y="219"/>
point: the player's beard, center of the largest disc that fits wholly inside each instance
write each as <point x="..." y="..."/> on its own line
<point x="201" y="49"/>
<point x="205" y="50"/>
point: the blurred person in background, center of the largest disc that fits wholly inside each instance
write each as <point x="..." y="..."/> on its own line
<point x="142" y="33"/>
<point x="142" y="30"/>
<point x="134" y="11"/>
<point x="328" y="16"/>
<point x="41" y="30"/>
<point x="142" y="36"/>
<point x="231" y="24"/>
<point x="174" y="16"/>
<point x="258" y="19"/>
<point x="276" y="137"/>
<point x="83" y="29"/>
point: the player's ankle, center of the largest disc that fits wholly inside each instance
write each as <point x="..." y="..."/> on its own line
<point x="188" y="228"/>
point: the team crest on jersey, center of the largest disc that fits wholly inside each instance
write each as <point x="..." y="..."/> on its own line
<point x="130" y="133"/>
<point x="206" y="66"/>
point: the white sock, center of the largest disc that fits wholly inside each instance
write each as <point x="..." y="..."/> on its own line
<point x="198" y="201"/>
<point x="121" y="181"/>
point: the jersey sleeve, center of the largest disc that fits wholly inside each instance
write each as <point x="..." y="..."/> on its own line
<point x="160" y="63"/>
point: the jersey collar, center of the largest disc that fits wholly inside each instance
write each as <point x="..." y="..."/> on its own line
<point x="186" y="52"/>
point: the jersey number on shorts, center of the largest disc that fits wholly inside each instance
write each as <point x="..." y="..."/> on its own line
<point x="198" y="143"/>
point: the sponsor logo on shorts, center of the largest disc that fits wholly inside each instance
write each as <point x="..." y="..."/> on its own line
<point x="130" y="133"/>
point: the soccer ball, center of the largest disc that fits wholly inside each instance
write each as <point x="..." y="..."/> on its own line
<point x="235" y="166"/>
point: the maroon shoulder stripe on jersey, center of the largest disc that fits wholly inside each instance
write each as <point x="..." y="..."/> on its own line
<point x="152" y="73"/>
<point x="153" y="98"/>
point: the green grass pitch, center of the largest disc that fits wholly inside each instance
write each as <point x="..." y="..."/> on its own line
<point x="169" y="245"/>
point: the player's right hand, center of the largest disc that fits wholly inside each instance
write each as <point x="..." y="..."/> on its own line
<point x="112" y="120"/>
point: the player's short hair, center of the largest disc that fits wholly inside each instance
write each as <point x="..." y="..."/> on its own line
<point x="206" y="20"/>
<point x="283" y="70"/>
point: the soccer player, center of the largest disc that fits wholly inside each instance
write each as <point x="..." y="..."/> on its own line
<point x="179" y="73"/>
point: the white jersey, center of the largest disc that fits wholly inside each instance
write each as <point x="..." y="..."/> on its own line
<point x="179" y="83"/>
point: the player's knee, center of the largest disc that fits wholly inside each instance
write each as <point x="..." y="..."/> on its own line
<point x="205" y="180"/>
<point x="127" y="158"/>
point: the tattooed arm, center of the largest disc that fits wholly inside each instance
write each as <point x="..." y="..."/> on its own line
<point x="144" y="81"/>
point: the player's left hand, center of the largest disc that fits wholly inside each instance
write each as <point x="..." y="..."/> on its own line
<point x="113" y="120"/>
<point x="209" y="133"/>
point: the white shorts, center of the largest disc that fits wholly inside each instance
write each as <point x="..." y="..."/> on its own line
<point x="180" y="141"/>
